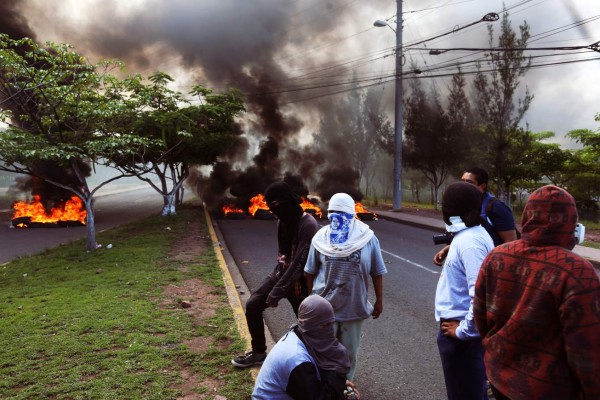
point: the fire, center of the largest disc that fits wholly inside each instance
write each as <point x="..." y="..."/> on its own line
<point x="72" y="210"/>
<point x="257" y="203"/>
<point x="307" y="205"/>
<point x="361" y="209"/>
<point x="230" y="208"/>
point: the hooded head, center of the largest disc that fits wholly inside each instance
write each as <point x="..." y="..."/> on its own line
<point x="342" y="202"/>
<point x="315" y="321"/>
<point x="549" y="218"/>
<point x="283" y="202"/>
<point x="462" y="199"/>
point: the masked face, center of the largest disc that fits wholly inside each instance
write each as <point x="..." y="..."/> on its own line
<point x="340" y="226"/>
<point x="284" y="210"/>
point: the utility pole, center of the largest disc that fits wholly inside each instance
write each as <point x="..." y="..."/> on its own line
<point x="399" y="111"/>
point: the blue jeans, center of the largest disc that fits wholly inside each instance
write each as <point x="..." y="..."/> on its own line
<point x="464" y="372"/>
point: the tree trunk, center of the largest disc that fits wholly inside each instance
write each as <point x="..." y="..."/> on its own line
<point x="90" y="224"/>
<point x="169" y="208"/>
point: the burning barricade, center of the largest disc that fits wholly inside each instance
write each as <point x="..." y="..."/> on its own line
<point x="33" y="214"/>
<point x="232" y="212"/>
<point x="363" y="214"/>
<point x="309" y="207"/>
<point x="259" y="209"/>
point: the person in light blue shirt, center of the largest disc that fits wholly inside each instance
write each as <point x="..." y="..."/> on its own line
<point x="458" y="341"/>
<point x="308" y="362"/>
<point x="343" y="257"/>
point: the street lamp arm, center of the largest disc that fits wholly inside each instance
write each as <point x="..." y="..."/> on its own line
<point x="380" y="23"/>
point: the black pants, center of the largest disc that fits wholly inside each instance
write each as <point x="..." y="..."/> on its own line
<point x="255" y="306"/>
<point x="464" y="372"/>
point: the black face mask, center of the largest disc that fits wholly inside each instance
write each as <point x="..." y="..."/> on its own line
<point x="286" y="211"/>
<point x="283" y="202"/>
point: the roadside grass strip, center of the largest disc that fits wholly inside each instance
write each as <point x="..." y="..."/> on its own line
<point x="77" y="325"/>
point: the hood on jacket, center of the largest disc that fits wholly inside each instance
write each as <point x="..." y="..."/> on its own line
<point x="549" y="218"/>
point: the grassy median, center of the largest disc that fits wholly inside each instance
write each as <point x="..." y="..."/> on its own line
<point x="111" y="324"/>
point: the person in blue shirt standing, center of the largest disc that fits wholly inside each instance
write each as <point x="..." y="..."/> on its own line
<point x="498" y="219"/>
<point x="459" y="343"/>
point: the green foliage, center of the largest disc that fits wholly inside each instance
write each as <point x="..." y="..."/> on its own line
<point x="98" y="327"/>
<point x="435" y="140"/>
<point x="190" y="133"/>
<point x="56" y="105"/>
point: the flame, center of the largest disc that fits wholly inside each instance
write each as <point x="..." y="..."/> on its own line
<point x="72" y="210"/>
<point x="230" y="208"/>
<point x="257" y="203"/>
<point x="361" y="209"/>
<point x="307" y="205"/>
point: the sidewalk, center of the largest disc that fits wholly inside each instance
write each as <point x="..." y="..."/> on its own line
<point x="593" y="255"/>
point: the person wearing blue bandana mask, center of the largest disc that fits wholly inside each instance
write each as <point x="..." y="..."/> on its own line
<point x="459" y="343"/>
<point x="342" y="257"/>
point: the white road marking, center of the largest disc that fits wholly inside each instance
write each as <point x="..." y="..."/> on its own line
<point x="410" y="262"/>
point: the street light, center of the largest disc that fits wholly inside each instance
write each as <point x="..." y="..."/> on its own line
<point x="398" y="110"/>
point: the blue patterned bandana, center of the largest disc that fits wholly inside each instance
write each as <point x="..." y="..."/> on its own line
<point x="340" y="226"/>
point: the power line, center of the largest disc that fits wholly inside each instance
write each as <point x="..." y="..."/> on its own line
<point x="382" y="82"/>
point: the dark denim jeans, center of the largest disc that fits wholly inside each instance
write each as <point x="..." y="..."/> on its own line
<point x="464" y="372"/>
<point x="255" y="306"/>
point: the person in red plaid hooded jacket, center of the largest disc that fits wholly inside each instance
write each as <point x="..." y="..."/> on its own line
<point x="537" y="308"/>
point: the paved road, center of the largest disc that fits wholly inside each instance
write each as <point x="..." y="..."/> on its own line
<point x="399" y="358"/>
<point x="111" y="209"/>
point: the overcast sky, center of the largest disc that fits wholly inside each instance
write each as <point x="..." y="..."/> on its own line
<point x="280" y="48"/>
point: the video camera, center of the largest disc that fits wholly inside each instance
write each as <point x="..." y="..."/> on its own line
<point x="444" y="238"/>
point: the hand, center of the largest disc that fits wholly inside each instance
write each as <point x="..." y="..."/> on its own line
<point x="351" y="386"/>
<point x="440" y="256"/>
<point x="449" y="328"/>
<point x="377" y="309"/>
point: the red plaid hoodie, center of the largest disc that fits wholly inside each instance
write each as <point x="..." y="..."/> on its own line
<point x="537" y="307"/>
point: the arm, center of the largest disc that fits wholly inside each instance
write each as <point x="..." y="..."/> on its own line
<point x="307" y="230"/>
<point x="472" y="258"/>
<point x="310" y="279"/>
<point x="377" y="271"/>
<point x="303" y="383"/>
<point x="503" y="222"/>
<point x="440" y="256"/>
<point x="507" y="236"/>
<point x="378" y="306"/>
<point x="480" y="299"/>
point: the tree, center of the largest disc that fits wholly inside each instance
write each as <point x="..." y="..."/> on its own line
<point x="190" y="135"/>
<point x="532" y="159"/>
<point x="62" y="114"/>
<point x="585" y="167"/>
<point x="498" y="113"/>
<point x="434" y="139"/>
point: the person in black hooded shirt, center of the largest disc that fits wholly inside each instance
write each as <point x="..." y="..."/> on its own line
<point x="295" y="231"/>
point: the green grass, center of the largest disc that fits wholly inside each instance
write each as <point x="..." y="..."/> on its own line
<point x="77" y="325"/>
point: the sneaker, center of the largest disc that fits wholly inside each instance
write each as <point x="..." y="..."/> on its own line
<point x="249" y="359"/>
